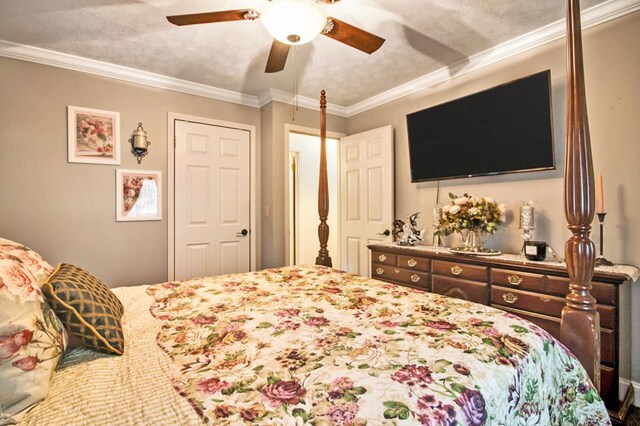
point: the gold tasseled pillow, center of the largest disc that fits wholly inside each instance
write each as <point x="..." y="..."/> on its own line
<point x="87" y="308"/>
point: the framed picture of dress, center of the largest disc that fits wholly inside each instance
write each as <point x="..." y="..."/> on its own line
<point x="138" y="195"/>
<point x="93" y="135"/>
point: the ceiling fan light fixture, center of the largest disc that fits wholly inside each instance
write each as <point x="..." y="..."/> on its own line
<point x="293" y="21"/>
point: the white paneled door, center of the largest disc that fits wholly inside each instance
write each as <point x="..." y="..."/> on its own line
<point x="366" y="195"/>
<point x="212" y="189"/>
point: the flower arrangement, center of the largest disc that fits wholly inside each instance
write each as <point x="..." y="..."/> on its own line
<point x="473" y="213"/>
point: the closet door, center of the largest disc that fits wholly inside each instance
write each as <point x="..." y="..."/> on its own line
<point x="212" y="191"/>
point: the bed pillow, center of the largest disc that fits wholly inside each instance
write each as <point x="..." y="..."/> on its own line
<point x="32" y="341"/>
<point x="87" y="308"/>
<point x="35" y="263"/>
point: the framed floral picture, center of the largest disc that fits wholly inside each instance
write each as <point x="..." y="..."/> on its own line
<point x="138" y="195"/>
<point x="93" y="135"/>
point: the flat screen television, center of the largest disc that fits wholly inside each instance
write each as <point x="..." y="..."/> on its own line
<point x="505" y="129"/>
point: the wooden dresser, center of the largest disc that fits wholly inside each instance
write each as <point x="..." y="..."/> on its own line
<point x="532" y="290"/>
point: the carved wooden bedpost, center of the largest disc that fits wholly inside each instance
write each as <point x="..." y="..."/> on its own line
<point x="323" y="188"/>
<point x="580" y="325"/>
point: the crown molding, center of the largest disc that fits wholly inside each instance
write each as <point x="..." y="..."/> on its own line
<point x="119" y="72"/>
<point x="275" y="95"/>
<point x="596" y="15"/>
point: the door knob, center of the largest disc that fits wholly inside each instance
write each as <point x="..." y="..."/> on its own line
<point x="242" y="233"/>
<point x="386" y="233"/>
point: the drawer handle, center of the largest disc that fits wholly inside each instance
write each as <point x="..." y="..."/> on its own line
<point x="412" y="263"/>
<point x="510" y="298"/>
<point x="545" y="299"/>
<point x="415" y="278"/>
<point x="514" y="279"/>
<point x="456" y="270"/>
<point x="379" y="271"/>
<point x="382" y="258"/>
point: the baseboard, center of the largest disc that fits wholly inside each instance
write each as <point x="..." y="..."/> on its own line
<point x="624" y="385"/>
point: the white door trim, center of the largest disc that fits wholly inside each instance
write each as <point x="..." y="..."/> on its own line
<point x="253" y="197"/>
<point x="313" y="132"/>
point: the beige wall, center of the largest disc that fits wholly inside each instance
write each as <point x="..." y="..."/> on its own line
<point x="612" y="61"/>
<point x="274" y="171"/>
<point x="66" y="211"/>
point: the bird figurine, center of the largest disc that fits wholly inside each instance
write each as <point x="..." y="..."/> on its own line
<point x="407" y="234"/>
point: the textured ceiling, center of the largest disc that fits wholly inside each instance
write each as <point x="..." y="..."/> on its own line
<point x="421" y="36"/>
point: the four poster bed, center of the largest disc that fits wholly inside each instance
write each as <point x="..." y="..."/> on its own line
<point x="313" y="345"/>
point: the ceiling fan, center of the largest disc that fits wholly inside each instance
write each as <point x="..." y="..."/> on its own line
<point x="290" y="22"/>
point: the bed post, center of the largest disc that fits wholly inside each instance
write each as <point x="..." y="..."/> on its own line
<point x="323" y="188"/>
<point x="580" y="323"/>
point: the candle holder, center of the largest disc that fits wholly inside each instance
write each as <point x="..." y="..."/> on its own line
<point x="437" y="238"/>
<point x="526" y="223"/>
<point x="601" y="260"/>
<point x="553" y="254"/>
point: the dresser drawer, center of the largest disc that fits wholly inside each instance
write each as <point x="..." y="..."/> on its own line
<point x="527" y="301"/>
<point x="608" y="347"/>
<point x="608" y="315"/>
<point x="384" y="258"/>
<point x="460" y="270"/>
<point x="603" y="293"/>
<point x="552" y="326"/>
<point x="400" y="275"/>
<point x="461" y="289"/>
<point x="520" y="280"/>
<point x="609" y="386"/>
<point x="543" y="304"/>
<point x="412" y="262"/>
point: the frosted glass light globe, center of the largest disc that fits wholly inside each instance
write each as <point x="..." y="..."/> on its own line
<point x="293" y="21"/>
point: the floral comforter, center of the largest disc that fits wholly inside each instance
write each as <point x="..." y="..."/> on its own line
<point x="312" y="345"/>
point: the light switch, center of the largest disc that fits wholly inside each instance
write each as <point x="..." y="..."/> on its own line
<point x="265" y="211"/>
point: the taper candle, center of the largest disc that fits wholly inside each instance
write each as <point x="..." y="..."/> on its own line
<point x="600" y="195"/>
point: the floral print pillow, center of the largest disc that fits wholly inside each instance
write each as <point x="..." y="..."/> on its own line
<point x="39" y="268"/>
<point x="32" y="341"/>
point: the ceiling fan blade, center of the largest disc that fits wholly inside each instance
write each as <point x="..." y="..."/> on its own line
<point x="277" y="57"/>
<point x="353" y="36"/>
<point x="209" y="17"/>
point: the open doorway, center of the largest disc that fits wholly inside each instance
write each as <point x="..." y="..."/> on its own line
<point x="361" y="204"/>
<point x="304" y="160"/>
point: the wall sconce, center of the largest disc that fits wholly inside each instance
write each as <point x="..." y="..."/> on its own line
<point x="139" y="143"/>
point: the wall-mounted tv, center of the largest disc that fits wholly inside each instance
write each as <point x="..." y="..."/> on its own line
<point x="505" y="129"/>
